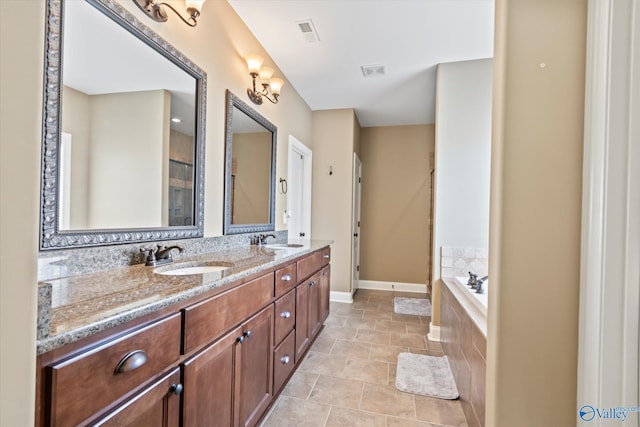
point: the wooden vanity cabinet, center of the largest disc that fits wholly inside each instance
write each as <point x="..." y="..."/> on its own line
<point x="155" y="406"/>
<point x="325" y="292"/>
<point x="229" y="383"/>
<point x="218" y="360"/>
<point x="307" y="313"/>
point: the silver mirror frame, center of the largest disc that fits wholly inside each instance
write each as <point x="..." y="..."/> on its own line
<point x="229" y="228"/>
<point x="51" y="237"/>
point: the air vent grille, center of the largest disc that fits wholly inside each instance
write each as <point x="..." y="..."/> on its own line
<point x="308" y="31"/>
<point x="375" y="70"/>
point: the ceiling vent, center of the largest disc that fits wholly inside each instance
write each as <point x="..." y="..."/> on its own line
<point x="308" y="30"/>
<point x="374" y="70"/>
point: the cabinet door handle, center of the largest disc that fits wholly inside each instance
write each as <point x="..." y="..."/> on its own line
<point x="176" y="389"/>
<point x="285" y="359"/>
<point x="131" y="361"/>
<point x="286" y="278"/>
<point x="324" y="273"/>
<point x="312" y="283"/>
<point x="285" y="314"/>
<point x="246" y="334"/>
<point x="326" y="256"/>
<point x="240" y="339"/>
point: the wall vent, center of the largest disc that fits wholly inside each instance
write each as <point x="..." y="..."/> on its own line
<point x="374" y="70"/>
<point x="308" y="30"/>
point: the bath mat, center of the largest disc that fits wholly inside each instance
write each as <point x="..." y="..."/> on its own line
<point x="417" y="306"/>
<point x="426" y="375"/>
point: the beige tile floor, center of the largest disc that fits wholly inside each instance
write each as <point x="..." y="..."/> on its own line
<point x="348" y="376"/>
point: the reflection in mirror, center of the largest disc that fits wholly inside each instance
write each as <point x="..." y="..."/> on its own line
<point x="250" y="169"/>
<point x="124" y="162"/>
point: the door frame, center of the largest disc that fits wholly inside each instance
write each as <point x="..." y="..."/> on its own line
<point x="608" y="352"/>
<point x="356" y="216"/>
<point x="297" y="147"/>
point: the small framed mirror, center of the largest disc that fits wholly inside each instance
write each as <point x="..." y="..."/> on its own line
<point x="250" y="169"/>
<point x="123" y="140"/>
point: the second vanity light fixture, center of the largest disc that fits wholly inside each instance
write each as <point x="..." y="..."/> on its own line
<point x="269" y="83"/>
<point x="155" y="10"/>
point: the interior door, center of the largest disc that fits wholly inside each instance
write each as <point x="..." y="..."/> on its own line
<point x="355" y="223"/>
<point x="298" y="190"/>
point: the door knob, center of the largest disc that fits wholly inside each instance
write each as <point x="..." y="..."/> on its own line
<point x="302" y="234"/>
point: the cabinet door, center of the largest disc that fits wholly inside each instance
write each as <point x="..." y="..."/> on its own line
<point x="325" y="291"/>
<point x="209" y="384"/>
<point x="157" y="405"/>
<point x="314" y="305"/>
<point x="302" y="319"/>
<point x="254" y="387"/>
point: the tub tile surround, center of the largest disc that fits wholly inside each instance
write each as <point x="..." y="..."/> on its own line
<point x="458" y="261"/>
<point x="463" y="338"/>
<point x="76" y="307"/>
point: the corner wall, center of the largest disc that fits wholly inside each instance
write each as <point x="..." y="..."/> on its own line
<point x="20" y="115"/>
<point x="462" y="161"/>
<point x="333" y="145"/>
<point x="536" y="182"/>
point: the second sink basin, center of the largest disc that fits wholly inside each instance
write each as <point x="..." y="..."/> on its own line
<point x="188" y="268"/>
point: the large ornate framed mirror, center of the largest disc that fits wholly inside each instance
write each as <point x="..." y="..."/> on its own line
<point x="124" y="131"/>
<point x="250" y="169"/>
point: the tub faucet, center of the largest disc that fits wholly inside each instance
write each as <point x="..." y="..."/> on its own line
<point x="473" y="280"/>
<point x="479" y="288"/>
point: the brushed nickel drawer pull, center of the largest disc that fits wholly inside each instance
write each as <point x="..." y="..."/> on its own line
<point x="286" y="278"/>
<point x="325" y="256"/>
<point x="312" y="283"/>
<point x="131" y="361"/>
<point x="324" y="273"/>
<point x="285" y="314"/>
<point x="285" y="359"/>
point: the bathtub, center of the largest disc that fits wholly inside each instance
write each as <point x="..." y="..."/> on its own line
<point x="463" y="326"/>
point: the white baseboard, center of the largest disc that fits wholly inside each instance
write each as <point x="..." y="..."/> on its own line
<point x="434" y="332"/>
<point x="393" y="286"/>
<point x="337" y="296"/>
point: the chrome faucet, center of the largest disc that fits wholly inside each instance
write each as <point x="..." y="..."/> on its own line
<point x="159" y="256"/>
<point x="479" y="288"/>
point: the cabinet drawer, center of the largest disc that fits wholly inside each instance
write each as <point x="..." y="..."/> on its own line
<point x="309" y="265"/>
<point x="85" y="384"/>
<point x="326" y="256"/>
<point x="207" y="320"/>
<point x="286" y="279"/>
<point x="283" y="361"/>
<point x="285" y="315"/>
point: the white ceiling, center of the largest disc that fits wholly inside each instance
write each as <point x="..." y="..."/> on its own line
<point x="409" y="37"/>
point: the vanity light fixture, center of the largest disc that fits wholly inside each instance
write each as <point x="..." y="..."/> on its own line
<point x="269" y="83"/>
<point x="155" y="10"/>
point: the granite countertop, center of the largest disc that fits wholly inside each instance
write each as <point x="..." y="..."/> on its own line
<point x="73" y="308"/>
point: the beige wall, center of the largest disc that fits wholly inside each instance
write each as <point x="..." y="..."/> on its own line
<point x="395" y="203"/>
<point x="127" y="165"/>
<point x="333" y="145"/>
<point x="181" y="147"/>
<point x="251" y="154"/>
<point x="535" y="212"/>
<point x="217" y="45"/>
<point x="76" y="111"/>
<point x="20" y="116"/>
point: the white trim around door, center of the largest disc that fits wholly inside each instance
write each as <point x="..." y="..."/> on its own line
<point x="298" y="214"/>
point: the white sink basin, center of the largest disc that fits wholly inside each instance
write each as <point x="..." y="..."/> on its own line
<point x="184" y="271"/>
<point x="284" y="245"/>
